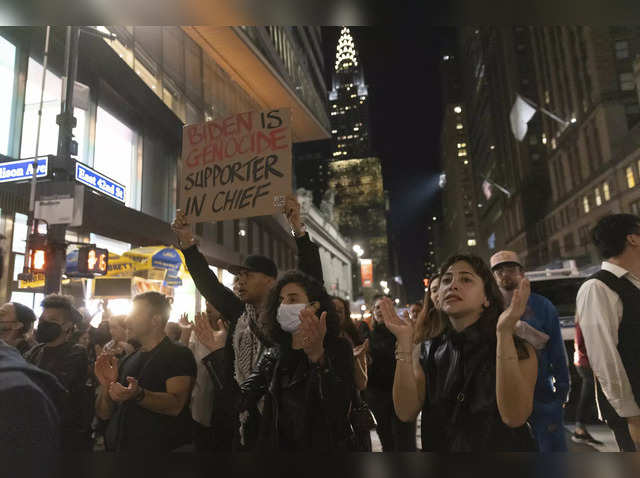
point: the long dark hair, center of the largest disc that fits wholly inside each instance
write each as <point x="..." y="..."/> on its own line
<point x="489" y="317"/>
<point x="271" y="331"/>
<point x="347" y="326"/>
<point x="429" y="323"/>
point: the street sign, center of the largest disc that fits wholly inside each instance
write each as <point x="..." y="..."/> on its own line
<point x="55" y="211"/>
<point x="101" y="183"/>
<point x="22" y="170"/>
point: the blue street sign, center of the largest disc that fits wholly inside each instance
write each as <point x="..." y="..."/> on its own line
<point x="22" y="170"/>
<point x="100" y="182"/>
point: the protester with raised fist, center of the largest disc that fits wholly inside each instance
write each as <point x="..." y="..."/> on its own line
<point x="233" y="363"/>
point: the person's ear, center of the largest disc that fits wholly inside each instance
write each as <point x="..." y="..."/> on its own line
<point x="486" y="303"/>
<point x="633" y="240"/>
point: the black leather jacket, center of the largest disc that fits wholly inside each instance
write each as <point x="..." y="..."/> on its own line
<point x="306" y="406"/>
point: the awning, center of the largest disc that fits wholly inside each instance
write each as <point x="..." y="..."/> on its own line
<point x="157" y="263"/>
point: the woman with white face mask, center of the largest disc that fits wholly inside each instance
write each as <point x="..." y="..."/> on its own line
<point x="306" y="378"/>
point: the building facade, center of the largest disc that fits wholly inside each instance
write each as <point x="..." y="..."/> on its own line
<point x="544" y="193"/>
<point x="336" y="252"/>
<point x="458" y="224"/>
<point x="133" y="95"/>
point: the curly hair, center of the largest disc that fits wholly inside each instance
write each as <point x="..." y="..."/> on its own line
<point x="489" y="317"/>
<point x="272" y="333"/>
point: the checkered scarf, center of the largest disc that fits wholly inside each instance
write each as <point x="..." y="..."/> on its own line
<point x="246" y="346"/>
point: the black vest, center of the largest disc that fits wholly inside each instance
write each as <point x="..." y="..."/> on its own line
<point x="629" y="329"/>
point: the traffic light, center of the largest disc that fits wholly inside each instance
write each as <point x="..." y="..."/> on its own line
<point x="93" y="260"/>
<point x="37" y="253"/>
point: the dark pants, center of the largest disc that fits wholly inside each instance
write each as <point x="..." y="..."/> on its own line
<point x="202" y="438"/>
<point x="586" y="400"/>
<point x="394" y="434"/>
<point x="618" y="424"/>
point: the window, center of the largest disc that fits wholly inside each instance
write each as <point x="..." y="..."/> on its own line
<point x="471" y="242"/>
<point x="116" y="154"/>
<point x="50" y="109"/>
<point x="462" y="152"/>
<point x="631" y="180"/>
<point x="583" y="235"/>
<point x="568" y="242"/>
<point x="173" y="53"/>
<point x="622" y="49"/>
<point x="585" y="204"/>
<point x="7" y="71"/>
<point x="606" y="192"/>
<point x="635" y="208"/>
<point x="19" y="241"/>
<point x="236" y="235"/>
<point x="598" y="197"/>
<point x="220" y="232"/>
<point x="626" y="82"/>
<point x="459" y="126"/>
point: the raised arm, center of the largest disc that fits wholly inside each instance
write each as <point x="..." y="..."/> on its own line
<point x="409" y="384"/>
<point x="308" y="252"/>
<point x="222" y="298"/>
<point x="515" y="376"/>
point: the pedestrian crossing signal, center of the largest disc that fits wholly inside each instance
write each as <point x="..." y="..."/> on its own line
<point x="93" y="260"/>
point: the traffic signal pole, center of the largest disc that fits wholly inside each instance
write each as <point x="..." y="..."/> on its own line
<point x="56" y="233"/>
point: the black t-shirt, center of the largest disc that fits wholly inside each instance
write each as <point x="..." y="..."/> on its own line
<point x="134" y="428"/>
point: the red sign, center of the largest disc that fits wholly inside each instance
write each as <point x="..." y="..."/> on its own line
<point x="366" y="271"/>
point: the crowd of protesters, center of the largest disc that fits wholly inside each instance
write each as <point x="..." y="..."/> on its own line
<point x="276" y="363"/>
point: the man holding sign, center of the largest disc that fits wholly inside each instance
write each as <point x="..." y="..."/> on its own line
<point x="235" y="351"/>
<point x="238" y="166"/>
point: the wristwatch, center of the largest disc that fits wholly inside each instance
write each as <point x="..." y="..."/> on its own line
<point x="140" y="395"/>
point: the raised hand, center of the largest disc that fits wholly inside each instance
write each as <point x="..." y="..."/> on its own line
<point x="106" y="369"/>
<point x="119" y="394"/>
<point x="291" y="210"/>
<point x="184" y="322"/>
<point x="213" y="339"/>
<point x="313" y="330"/>
<point x="508" y="319"/>
<point x="402" y="329"/>
<point x="181" y="227"/>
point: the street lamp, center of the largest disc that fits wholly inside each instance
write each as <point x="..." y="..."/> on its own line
<point x="397" y="301"/>
<point x="387" y="290"/>
<point x="358" y="250"/>
<point x="384" y="284"/>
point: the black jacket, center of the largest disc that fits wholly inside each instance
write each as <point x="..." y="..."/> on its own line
<point x="222" y="362"/>
<point x="382" y="346"/>
<point x="316" y="399"/>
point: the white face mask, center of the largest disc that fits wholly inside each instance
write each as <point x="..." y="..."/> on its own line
<point x="289" y="316"/>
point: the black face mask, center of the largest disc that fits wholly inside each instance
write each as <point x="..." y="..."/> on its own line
<point x="48" y="331"/>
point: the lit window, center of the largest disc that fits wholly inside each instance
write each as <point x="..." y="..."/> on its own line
<point x="462" y="152"/>
<point x="457" y="109"/>
<point x="631" y="179"/>
<point x="622" y="50"/>
<point x="554" y="145"/>
<point x="462" y="145"/>
<point x="598" y="197"/>
<point x="585" y="204"/>
<point x="459" y="126"/>
<point x="605" y="190"/>
<point x="626" y="82"/>
<point x="547" y="97"/>
<point x="7" y="63"/>
<point x="544" y="138"/>
<point x="471" y="242"/>
<point x="466" y="162"/>
<point x="116" y="153"/>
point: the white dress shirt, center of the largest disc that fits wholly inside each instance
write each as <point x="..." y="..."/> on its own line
<point x="599" y="312"/>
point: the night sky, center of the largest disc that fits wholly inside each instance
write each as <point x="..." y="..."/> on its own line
<point x="401" y="70"/>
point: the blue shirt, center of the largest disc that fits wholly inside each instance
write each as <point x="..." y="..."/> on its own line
<point x="542" y="315"/>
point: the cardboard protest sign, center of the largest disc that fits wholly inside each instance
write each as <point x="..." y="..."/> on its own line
<point x="237" y="166"/>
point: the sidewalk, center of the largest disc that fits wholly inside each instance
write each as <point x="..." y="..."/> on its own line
<point x="600" y="432"/>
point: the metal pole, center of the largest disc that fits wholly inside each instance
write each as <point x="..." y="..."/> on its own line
<point x="545" y="111"/>
<point x="56" y="233"/>
<point x="34" y="177"/>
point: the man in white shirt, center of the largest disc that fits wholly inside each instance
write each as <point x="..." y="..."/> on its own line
<point x="608" y="312"/>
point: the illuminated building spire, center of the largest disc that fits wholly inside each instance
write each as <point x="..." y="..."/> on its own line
<point x="346" y="56"/>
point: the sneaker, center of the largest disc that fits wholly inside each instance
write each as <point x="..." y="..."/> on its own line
<point x="585" y="438"/>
